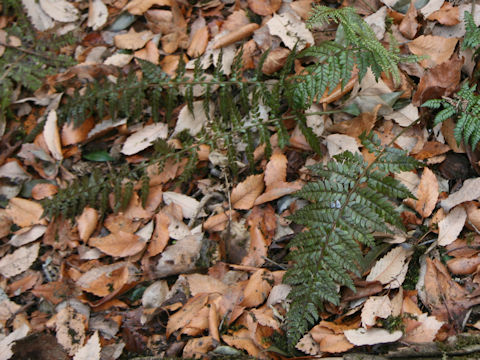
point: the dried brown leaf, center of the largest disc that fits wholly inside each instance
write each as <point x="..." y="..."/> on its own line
<point x="427" y="193"/>
<point x="437" y="49"/>
<point x="119" y="244"/>
<point x="244" y="194"/>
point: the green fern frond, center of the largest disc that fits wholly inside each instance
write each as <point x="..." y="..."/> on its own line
<point x="351" y="200"/>
<point x="464" y="107"/>
<point x="471" y="39"/>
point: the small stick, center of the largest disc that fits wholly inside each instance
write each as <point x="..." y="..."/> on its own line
<point x="236" y="35"/>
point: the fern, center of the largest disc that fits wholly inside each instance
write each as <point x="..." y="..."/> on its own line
<point x="248" y="106"/>
<point x="471" y="39"/>
<point x="465" y="108"/>
<point x="351" y="200"/>
<point x="335" y="61"/>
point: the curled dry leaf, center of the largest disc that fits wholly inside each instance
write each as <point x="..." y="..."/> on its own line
<point x="186" y="314"/>
<point x="425" y="332"/>
<point x="73" y="134"/>
<point x="198" y="347"/>
<point x="19" y="261"/>
<point x="199" y="42"/>
<point x="447" y="15"/>
<point x="275" y="60"/>
<point x="409" y="25"/>
<point x="241" y="339"/>
<point x="188" y="204"/>
<point x="450" y="227"/>
<point x="119" y="244"/>
<point x="27" y="235"/>
<point x="291" y="30"/>
<point x="44" y="190"/>
<point x="469" y="191"/>
<point x="138" y="7"/>
<point x="244" y="194"/>
<point x="235" y="35"/>
<point x="463" y="265"/>
<point x="8" y="341"/>
<point x="160" y="236"/>
<point x="149" y="53"/>
<point x="360" y="337"/>
<point x="39" y="18"/>
<point x="437" y="49"/>
<point x="392" y="268"/>
<point x="87" y="222"/>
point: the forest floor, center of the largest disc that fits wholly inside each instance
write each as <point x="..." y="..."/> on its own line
<point x="196" y="270"/>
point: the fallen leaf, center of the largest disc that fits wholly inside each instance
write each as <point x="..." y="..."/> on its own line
<point x="441" y="80"/>
<point x="97" y="14"/>
<point x="463" y="265"/>
<point x="19" y="261"/>
<point x="52" y="137"/>
<point x="291" y="30"/>
<point x="60" y="10"/>
<point x="376" y="21"/>
<point x="450" y="227"/>
<point x="262" y="224"/>
<point x="70" y="328"/>
<point x="44" y="190"/>
<point x="205" y="284"/>
<point x="427" y="193"/>
<point x="235" y="35"/>
<point x="258" y="288"/>
<point x="431" y="6"/>
<point x="361" y="336"/>
<point x="87" y="222"/>
<point x="193" y="122"/>
<point x="132" y="40"/>
<point x="468" y="192"/>
<point x="375" y="307"/>
<point x="276" y="169"/>
<point x="138" y="7"/>
<point x="161" y="235"/>
<point x="275" y="60"/>
<point x="199" y="42"/>
<point x="144" y="138"/>
<point x="107" y="279"/>
<point x="356" y="126"/>
<point x="186" y="314"/>
<point x="409" y="25"/>
<point x="308" y="345"/>
<point x="425" y="332"/>
<point x="198" y="347"/>
<point x="155" y="294"/>
<point x="149" y="53"/>
<point x="244" y="194"/>
<point x="338" y="143"/>
<point x="8" y="341"/>
<point x="278" y="190"/>
<point x="39" y="18"/>
<point x="189" y="205"/>
<point x="405" y="116"/>
<point x="437" y="49"/>
<point x="27" y="235"/>
<point x="264" y="7"/>
<point x="119" y="244"/>
<point x="448" y="15"/>
<point x="431" y="149"/>
<point x="241" y="340"/>
<point x="391" y="269"/>
<point x="91" y="350"/>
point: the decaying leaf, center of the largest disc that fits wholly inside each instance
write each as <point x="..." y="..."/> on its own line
<point x="375" y="307"/>
<point x="468" y="192"/>
<point x="91" y="350"/>
<point x="392" y="268"/>
<point x="450" y="227"/>
<point x="291" y="30"/>
<point x="144" y="138"/>
<point x="372" y="336"/>
<point x="244" y="194"/>
<point x="70" y="328"/>
<point x="427" y="193"/>
<point x="120" y="244"/>
<point x="97" y="14"/>
<point x="437" y="49"/>
<point x="60" y="10"/>
<point x="19" y="261"/>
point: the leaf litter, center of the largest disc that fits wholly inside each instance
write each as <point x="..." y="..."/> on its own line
<point x="220" y="244"/>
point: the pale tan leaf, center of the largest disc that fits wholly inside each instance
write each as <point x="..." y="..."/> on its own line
<point x="97" y="14"/>
<point x="198" y="43"/>
<point x="198" y="347"/>
<point x="52" y="136"/>
<point x="335" y="343"/>
<point x="144" y="138"/>
<point x="291" y="29"/>
<point x="39" y="18"/>
<point x="70" y="328"/>
<point x="160" y="236"/>
<point x="91" y="350"/>
<point x="390" y="269"/>
<point x="44" y="190"/>
<point x="431" y="6"/>
<point x="119" y="60"/>
<point x="437" y="49"/>
<point x="375" y="307"/>
<point x="199" y="283"/>
<point x="405" y="116"/>
<point x="361" y="336"/>
<point x="264" y="7"/>
<point x="338" y="143"/>
<point x="469" y="191"/>
<point x="376" y="21"/>
<point x="244" y="194"/>
<point x="451" y="226"/>
<point x="27" y="235"/>
<point x="155" y="294"/>
<point x="120" y="244"/>
<point x="193" y="122"/>
<point x="241" y="339"/>
<point x="133" y="40"/>
<point x="188" y="204"/>
<point x="149" y="53"/>
<point x="427" y="193"/>
<point x="19" y="261"/>
<point x="87" y="222"/>
<point x="60" y="10"/>
<point x="278" y="190"/>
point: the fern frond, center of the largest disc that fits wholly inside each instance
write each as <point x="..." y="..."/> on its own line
<point x="471" y="39"/>
<point x="465" y="108"/>
<point x="351" y="200"/>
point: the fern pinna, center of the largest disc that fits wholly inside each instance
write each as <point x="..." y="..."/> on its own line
<point x="351" y="200"/>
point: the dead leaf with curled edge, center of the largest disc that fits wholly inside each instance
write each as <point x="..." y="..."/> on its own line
<point x="375" y="307"/>
<point x="138" y="7"/>
<point x="427" y="194"/>
<point x="392" y="268"/>
<point x="186" y="314"/>
<point x="87" y="222"/>
<point x="258" y="288"/>
<point x="241" y="339"/>
<point x="264" y="7"/>
<point x="468" y="192"/>
<point x="91" y="350"/>
<point x="409" y="25"/>
<point x="438" y="49"/>
<point x="360" y="337"/>
<point x="447" y="15"/>
<point x="19" y="261"/>
<point x="119" y="244"/>
<point x="70" y="328"/>
<point x="451" y="226"/>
